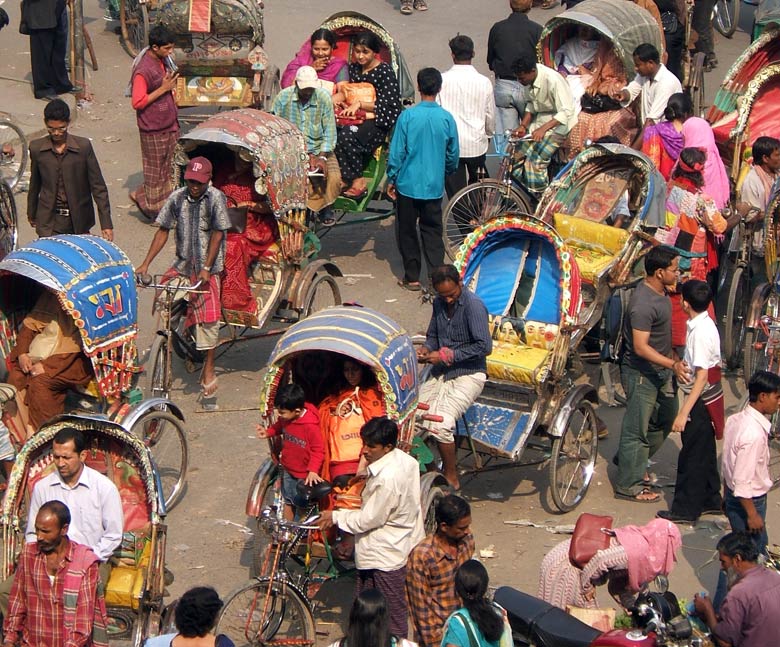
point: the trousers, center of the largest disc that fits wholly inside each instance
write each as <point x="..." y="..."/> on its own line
<point x="426" y="213"/>
<point x="48" y="48"/>
<point x="701" y="21"/>
<point x="468" y="172"/>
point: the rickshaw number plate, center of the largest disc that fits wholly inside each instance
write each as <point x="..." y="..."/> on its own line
<point x="258" y="58"/>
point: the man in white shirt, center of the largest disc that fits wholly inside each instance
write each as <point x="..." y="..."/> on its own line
<point x="549" y="116"/>
<point x="468" y="96"/>
<point x="654" y="82"/>
<point x="389" y="523"/>
<point x="700" y="418"/>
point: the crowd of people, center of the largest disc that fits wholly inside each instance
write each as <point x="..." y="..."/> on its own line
<point x="341" y="433"/>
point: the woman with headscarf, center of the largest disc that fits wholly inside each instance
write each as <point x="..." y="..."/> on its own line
<point x="697" y="133"/>
<point x="662" y="142"/>
<point x="636" y="555"/>
<point x="317" y="52"/>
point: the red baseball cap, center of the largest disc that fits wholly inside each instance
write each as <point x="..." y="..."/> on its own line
<point x="199" y="169"/>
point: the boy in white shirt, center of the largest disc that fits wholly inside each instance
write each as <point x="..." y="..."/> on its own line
<point x="701" y="416"/>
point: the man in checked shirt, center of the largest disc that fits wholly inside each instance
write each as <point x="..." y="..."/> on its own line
<point x="430" y="572"/>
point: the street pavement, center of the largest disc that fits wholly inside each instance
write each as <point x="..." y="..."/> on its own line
<point x="209" y="536"/>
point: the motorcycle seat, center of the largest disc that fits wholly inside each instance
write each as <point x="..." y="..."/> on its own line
<point x="544" y="624"/>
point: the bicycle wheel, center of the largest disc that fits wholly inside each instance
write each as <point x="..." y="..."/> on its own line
<point x="734" y="323"/>
<point x="435" y="494"/>
<point x="322" y="293"/>
<point x="267" y="613"/>
<point x="476" y="204"/>
<point x="8" y="222"/>
<point x="574" y="457"/>
<point x="155" y="370"/>
<point x="164" y="435"/>
<point x="13" y="152"/>
<point x="726" y="17"/>
<point x="134" y="20"/>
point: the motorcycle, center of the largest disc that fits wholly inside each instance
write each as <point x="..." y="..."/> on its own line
<point x="657" y="622"/>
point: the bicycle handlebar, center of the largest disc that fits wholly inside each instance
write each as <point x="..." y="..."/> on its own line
<point x="310" y="523"/>
<point x="154" y="282"/>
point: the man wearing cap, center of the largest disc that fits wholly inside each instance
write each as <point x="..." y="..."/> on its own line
<point x="307" y="105"/>
<point x="198" y="211"/>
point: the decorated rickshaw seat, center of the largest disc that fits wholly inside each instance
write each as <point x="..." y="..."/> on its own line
<point x="593" y="244"/>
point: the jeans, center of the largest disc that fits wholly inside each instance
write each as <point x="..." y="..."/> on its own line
<point x="510" y="100"/>
<point x="650" y="411"/>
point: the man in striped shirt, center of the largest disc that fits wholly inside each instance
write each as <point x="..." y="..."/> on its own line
<point x="468" y="96"/>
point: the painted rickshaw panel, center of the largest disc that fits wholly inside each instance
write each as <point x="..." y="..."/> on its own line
<point x="276" y="146"/>
<point x="362" y="334"/>
<point x="622" y="23"/>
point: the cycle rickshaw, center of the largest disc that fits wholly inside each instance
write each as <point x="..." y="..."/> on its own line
<point x="94" y="284"/>
<point x="275" y="606"/>
<point x="218" y="50"/>
<point x="283" y="281"/>
<point x="135" y="589"/>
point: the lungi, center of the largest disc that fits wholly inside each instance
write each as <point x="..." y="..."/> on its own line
<point x="449" y="399"/>
<point x="205" y="308"/>
<point x="533" y="158"/>
<point x="157" y="153"/>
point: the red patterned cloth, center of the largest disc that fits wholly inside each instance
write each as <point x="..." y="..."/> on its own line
<point x="205" y="304"/>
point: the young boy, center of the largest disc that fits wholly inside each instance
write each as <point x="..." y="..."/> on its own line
<point x="700" y="418"/>
<point x="303" y="451"/>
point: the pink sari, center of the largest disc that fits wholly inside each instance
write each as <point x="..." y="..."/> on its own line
<point x="697" y="133"/>
<point x="335" y="71"/>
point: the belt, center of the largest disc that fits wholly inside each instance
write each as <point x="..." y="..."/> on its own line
<point x="61" y="212"/>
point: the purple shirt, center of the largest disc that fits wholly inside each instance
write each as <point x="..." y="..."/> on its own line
<point x="748" y="614"/>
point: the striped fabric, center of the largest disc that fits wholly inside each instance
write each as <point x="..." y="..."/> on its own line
<point x="468" y="96"/>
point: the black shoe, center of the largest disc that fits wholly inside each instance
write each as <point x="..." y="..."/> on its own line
<point x="45" y="97"/>
<point x="715" y="511"/>
<point x="674" y="518"/>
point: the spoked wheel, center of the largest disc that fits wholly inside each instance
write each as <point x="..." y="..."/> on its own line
<point x="261" y="539"/>
<point x="156" y="369"/>
<point x="736" y="312"/>
<point x="474" y="205"/>
<point x="164" y="435"/>
<point x="134" y="19"/>
<point x="322" y="293"/>
<point x="574" y="457"/>
<point x="8" y="222"/>
<point x="435" y="494"/>
<point x="695" y="86"/>
<point x="265" y="613"/>
<point x="13" y="152"/>
<point x="726" y="19"/>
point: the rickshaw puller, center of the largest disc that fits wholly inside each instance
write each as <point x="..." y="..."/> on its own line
<point x="457" y="344"/>
<point x="199" y="214"/>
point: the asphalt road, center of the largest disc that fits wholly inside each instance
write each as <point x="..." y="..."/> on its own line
<point x="209" y="536"/>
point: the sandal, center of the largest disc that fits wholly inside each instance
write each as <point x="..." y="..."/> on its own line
<point x="355" y="194"/>
<point x="208" y="390"/>
<point x="635" y="497"/>
<point x="406" y="7"/>
<point x="412" y="286"/>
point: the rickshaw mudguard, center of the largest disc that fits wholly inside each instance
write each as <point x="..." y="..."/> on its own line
<point x="757" y="304"/>
<point x="260" y="481"/>
<point x="428" y="481"/>
<point x="306" y="275"/>
<point x="568" y="404"/>
<point x="131" y="418"/>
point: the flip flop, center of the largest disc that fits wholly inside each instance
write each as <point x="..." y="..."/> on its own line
<point x="134" y="199"/>
<point x="208" y="390"/>
<point x="412" y="286"/>
<point x="633" y="497"/>
<point x="355" y="194"/>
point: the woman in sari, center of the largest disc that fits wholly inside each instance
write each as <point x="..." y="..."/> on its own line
<point x="692" y="221"/>
<point x="663" y="141"/>
<point x="575" y="59"/>
<point x="697" y="133"/>
<point x="317" y="52"/>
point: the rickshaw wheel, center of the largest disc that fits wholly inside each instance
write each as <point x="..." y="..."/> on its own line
<point x="134" y="20"/>
<point x="322" y="293"/>
<point x="474" y="205"/>
<point x="435" y="494"/>
<point x="155" y="372"/>
<point x="8" y="230"/>
<point x="12" y="167"/>
<point x="734" y="329"/>
<point x="163" y="433"/>
<point x="266" y="612"/>
<point x="261" y="538"/>
<point x="727" y="17"/>
<point x="147" y="625"/>
<point x="574" y="457"/>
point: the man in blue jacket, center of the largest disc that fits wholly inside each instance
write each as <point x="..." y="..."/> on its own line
<point x="423" y="150"/>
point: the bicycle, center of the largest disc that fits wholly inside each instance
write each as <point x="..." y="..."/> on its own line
<point x="13" y="151"/>
<point x="725" y="17"/>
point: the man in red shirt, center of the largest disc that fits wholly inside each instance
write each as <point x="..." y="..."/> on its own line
<point x="54" y="599"/>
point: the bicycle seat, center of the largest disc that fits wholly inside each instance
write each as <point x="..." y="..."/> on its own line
<point x="312" y="493"/>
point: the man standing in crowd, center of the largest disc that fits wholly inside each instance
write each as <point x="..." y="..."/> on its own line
<point x="468" y="96"/>
<point x="310" y="108"/>
<point x="54" y="599"/>
<point x="700" y="419"/>
<point x="198" y="212"/>
<point x="549" y="116"/>
<point x="654" y="82"/>
<point x="745" y="618"/>
<point x="673" y="16"/>
<point x="430" y="576"/>
<point x="423" y="150"/>
<point x="46" y="23"/>
<point x="508" y="40"/>
<point x="457" y="345"/>
<point x="389" y="523"/>
<point x="647" y="369"/>
<point x="157" y="115"/>
<point x="65" y="178"/>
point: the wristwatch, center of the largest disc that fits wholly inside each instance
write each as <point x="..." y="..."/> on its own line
<point x="207" y="268"/>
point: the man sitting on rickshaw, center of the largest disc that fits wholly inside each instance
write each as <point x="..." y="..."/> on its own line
<point x="307" y="105"/>
<point x="199" y="213"/>
<point x="45" y="364"/>
<point x="549" y="116"/>
<point x="457" y="345"/>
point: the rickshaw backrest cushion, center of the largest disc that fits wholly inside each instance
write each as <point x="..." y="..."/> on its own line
<point x="594" y="245"/>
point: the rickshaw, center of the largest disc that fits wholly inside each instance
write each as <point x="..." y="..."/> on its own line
<point x="287" y="281"/>
<point x="136" y="586"/>
<point x="93" y="280"/>
<point x="276" y="606"/>
<point x="218" y="50"/>
<point x="624" y="26"/>
<point x="345" y="25"/>
<point x="529" y="280"/>
<point x="767" y="15"/>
